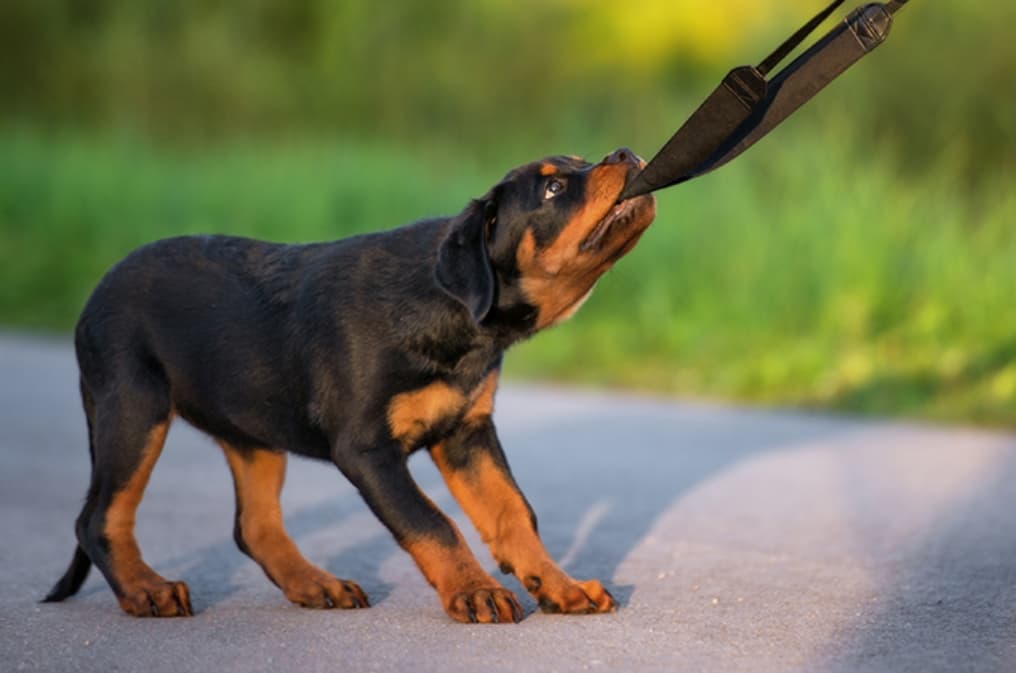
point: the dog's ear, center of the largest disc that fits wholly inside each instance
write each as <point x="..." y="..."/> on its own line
<point x="463" y="266"/>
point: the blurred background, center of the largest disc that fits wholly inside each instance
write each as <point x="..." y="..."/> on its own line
<point x="859" y="258"/>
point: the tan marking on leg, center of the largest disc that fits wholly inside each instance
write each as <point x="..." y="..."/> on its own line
<point x="412" y="414"/>
<point x="467" y="592"/>
<point x="483" y="399"/>
<point x="448" y="569"/>
<point x="500" y="514"/>
<point x="258" y="476"/>
<point x="140" y="590"/>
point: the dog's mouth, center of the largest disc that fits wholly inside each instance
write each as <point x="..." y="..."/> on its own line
<point x="618" y="219"/>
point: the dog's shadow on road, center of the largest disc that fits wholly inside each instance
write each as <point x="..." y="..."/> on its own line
<point x="214" y="572"/>
<point x="599" y="480"/>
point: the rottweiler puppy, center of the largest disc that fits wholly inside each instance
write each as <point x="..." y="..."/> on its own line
<point x="358" y="352"/>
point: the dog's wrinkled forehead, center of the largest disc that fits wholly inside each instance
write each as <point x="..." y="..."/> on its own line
<point x="546" y="167"/>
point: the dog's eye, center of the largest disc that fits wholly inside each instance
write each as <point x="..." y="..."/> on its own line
<point x="554" y="187"/>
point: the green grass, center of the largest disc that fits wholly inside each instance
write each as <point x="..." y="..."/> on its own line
<point x="803" y="273"/>
<point x="69" y="208"/>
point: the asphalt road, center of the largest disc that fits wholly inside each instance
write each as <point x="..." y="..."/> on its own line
<point x="736" y="540"/>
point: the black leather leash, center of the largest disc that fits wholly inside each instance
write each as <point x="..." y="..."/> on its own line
<point x="746" y="106"/>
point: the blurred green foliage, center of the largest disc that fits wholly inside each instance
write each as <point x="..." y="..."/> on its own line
<point x="483" y="74"/>
<point x="858" y="258"/>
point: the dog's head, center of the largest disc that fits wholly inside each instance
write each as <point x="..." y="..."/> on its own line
<point x="535" y="245"/>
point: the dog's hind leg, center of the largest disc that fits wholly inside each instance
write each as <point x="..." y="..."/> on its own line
<point x="132" y="414"/>
<point x="257" y="477"/>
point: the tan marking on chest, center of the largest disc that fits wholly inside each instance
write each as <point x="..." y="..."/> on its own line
<point x="412" y="414"/>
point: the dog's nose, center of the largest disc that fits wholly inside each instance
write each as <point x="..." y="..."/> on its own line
<point x="621" y="156"/>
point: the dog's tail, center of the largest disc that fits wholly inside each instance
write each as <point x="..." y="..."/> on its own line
<point x="77" y="572"/>
<point x="72" y="580"/>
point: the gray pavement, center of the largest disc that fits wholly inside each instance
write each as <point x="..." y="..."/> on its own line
<point x="736" y="540"/>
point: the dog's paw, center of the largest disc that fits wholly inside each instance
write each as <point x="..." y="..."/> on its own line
<point x="156" y="597"/>
<point x="314" y="588"/>
<point x="571" y="597"/>
<point x="489" y="605"/>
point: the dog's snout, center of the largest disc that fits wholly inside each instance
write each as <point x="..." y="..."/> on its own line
<point x="620" y="156"/>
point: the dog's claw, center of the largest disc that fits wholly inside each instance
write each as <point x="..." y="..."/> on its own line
<point x="485" y="606"/>
<point x="575" y="598"/>
<point x="493" y="609"/>
<point x="156" y="597"/>
<point x="314" y="588"/>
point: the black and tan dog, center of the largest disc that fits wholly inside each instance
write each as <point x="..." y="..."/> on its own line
<point x="358" y="352"/>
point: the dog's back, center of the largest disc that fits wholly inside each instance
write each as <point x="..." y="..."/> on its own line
<point x="358" y="351"/>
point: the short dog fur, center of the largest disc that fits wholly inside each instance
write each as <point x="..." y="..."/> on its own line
<point x="358" y="352"/>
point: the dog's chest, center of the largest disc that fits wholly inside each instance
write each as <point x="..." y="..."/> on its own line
<point x="433" y="410"/>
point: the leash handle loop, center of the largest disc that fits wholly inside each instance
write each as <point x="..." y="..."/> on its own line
<point x="746" y="106"/>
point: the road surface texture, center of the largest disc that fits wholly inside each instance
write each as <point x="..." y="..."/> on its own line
<point x="735" y="540"/>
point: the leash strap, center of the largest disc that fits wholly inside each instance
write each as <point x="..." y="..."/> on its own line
<point x="745" y="106"/>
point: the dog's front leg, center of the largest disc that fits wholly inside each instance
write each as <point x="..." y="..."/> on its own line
<point x="476" y="471"/>
<point x="468" y="593"/>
